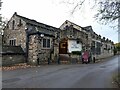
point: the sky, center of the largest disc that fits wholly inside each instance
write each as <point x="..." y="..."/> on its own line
<point x="55" y="12"/>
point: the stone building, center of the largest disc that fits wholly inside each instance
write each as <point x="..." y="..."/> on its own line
<point x="89" y="40"/>
<point x="94" y="41"/>
<point x="36" y="39"/>
<point x="98" y="46"/>
<point x="43" y="43"/>
<point x="72" y="38"/>
<point x="76" y="36"/>
<point x="107" y="47"/>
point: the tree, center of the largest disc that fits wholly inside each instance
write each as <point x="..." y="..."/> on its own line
<point x="108" y="10"/>
<point x="117" y="46"/>
<point x="2" y="24"/>
<point x="3" y="21"/>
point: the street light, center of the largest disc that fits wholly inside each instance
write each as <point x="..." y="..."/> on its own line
<point x="41" y="35"/>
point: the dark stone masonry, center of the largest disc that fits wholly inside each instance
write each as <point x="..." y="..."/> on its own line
<point x="43" y="43"/>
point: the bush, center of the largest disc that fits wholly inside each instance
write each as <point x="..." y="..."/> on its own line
<point x="76" y="52"/>
<point x="115" y="51"/>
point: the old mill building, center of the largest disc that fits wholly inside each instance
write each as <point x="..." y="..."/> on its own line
<point x="42" y="43"/>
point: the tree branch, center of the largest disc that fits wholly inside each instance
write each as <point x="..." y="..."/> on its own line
<point x="77" y="5"/>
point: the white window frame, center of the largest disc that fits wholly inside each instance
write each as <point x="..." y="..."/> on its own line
<point x="46" y="44"/>
<point x="13" y="42"/>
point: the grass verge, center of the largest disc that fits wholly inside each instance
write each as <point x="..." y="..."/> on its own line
<point x="116" y="80"/>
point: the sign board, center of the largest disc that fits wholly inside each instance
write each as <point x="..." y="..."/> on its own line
<point x="74" y="45"/>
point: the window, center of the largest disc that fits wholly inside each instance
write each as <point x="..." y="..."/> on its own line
<point x="13" y="25"/>
<point x="98" y="48"/>
<point x="12" y="42"/>
<point x="46" y="43"/>
<point x="66" y="27"/>
<point x="106" y="46"/>
<point x="74" y="31"/>
<point x="7" y="26"/>
<point x="86" y="36"/>
<point x="20" y="23"/>
<point x="78" y="42"/>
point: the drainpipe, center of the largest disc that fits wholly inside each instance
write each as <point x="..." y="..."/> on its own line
<point x="27" y="43"/>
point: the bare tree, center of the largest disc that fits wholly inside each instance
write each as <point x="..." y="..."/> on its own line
<point x="3" y="21"/>
<point x="108" y="10"/>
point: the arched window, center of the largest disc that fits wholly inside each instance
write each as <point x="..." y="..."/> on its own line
<point x="20" y="21"/>
<point x="13" y="25"/>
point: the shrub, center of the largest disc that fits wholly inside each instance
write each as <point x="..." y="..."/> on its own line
<point x="115" y="51"/>
<point x="76" y="52"/>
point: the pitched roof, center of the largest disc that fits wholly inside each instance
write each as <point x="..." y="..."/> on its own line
<point x="34" y="22"/>
<point x="88" y="28"/>
<point x="73" y="23"/>
<point x="12" y="50"/>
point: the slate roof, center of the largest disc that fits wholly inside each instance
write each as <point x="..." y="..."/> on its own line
<point x="38" y="27"/>
<point x="34" y="22"/>
<point x="12" y="50"/>
<point x="88" y="28"/>
<point x="74" y="24"/>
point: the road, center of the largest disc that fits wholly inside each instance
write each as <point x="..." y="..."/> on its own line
<point x="98" y="75"/>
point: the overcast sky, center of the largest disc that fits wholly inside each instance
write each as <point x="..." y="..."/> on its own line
<point x="54" y="13"/>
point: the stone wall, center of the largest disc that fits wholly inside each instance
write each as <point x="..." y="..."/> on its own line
<point x="18" y="33"/>
<point x="73" y="33"/>
<point x="8" y="60"/>
<point x="77" y="58"/>
<point x="33" y="49"/>
<point x="36" y="53"/>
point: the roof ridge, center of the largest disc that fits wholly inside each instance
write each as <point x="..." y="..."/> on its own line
<point x="33" y="20"/>
<point x="74" y="23"/>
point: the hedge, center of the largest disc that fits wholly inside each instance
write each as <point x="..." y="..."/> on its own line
<point x="76" y="52"/>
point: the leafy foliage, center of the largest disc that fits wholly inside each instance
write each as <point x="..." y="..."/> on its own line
<point x="115" y="51"/>
<point x="117" y="45"/>
<point x="76" y="52"/>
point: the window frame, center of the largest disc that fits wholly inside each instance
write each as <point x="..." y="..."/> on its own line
<point x="46" y="43"/>
<point x="13" y="25"/>
<point x="12" y="42"/>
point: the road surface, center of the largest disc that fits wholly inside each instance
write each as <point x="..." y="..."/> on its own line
<point x="98" y="75"/>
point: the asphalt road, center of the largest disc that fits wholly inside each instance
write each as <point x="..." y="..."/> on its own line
<point x="98" y="75"/>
